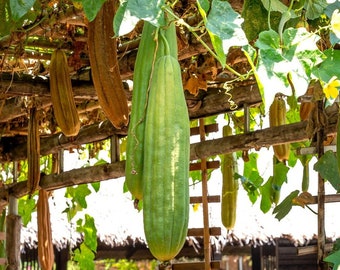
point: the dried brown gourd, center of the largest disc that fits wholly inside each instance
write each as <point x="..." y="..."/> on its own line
<point x="45" y="244"/>
<point x="104" y="66"/>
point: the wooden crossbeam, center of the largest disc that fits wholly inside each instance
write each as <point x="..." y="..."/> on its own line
<point x="329" y="198"/>
<point x="196" y="266"/>
<point x="207" y="129"/>
<point x="301" y="251"/>
<point x="211" y="199"/>
<point x="196" y="166"/>
<point x="215" y="231"/>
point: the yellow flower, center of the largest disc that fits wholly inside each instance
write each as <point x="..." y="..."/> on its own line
<point x="335" y="23"/>
<point x="331" y="88"/>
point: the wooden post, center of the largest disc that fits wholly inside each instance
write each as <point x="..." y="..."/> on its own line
<point x="206" y="233"/>
<point x="114" y="148"/>
<point x="13" y="229"/>
<point x="321" y="194"/>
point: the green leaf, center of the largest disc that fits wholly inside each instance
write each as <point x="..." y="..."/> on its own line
<point x="78" y="194"/>
<point x="280" y="174"/>
<point x="282" y="209"/>
<point x="251" y="179"/>
<point x="26" y="206"/>
<point x="203" y="6"/>
<point x="327" y="166"/>
<point x="334" y="258"/>
<point x="223" y="25"/>
<point x="266" y="191"/>
<point x="85" y="257"/>
<point x="91" y="8"/>
<point x="124" y="22"/>
<point x="315" y="8"/>
<point x="96" y="186"/>
<point x="224" y="22"/>
<point x="329" y="67"/>
<point x="19" y="8"/>
<point x="295" y="55"/>
<point x="5" y="19"/>
<point x="90" y="231"/>
<point x="131" y="11"/>
<point x="268" y="40"/>
<point x="274" y="5"/>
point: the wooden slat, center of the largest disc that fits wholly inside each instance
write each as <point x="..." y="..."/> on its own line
<point x="207" y="129"/>
<point x="330" y="198"/>
<point x="301" y="251"/>
<point x="2" y="236"/>
<point x="211" y="199"/>
<point x="196" y="166"/>
<point x="216" y="231"/>
<point x="312" y="150"/>
<point x="195" y="266"/>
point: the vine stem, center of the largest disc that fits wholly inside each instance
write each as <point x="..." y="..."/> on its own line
<point x="192" y="30"/>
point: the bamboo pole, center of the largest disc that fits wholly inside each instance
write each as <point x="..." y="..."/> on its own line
<point x="13" y="228"/>
<point x="321" y="195"/>
<point x="204" y="173"/>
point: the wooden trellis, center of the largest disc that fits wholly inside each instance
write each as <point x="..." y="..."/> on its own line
<point x="205" y="199"/>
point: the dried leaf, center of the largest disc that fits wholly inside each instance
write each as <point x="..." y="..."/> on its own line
<point x="194" y="84"/>
<point x="303" y="199"/>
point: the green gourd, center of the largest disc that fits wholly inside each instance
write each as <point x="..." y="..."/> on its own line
<point x="151" y="47"/>
<point x="229" y="186"/>
<point x="166" y="160"/>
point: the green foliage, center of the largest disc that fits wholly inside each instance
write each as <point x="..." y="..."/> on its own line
<point x="85" y="257"/>
<point x="86" y="253"/>
<point x="88" y="228"/>
<point x="266" y="193"/>
<point x="314" y="8"/>
<point x="15" y="13"/>
<point x="91" y="7"/>
<point x="329" y="67"/>
<point x="19" y="8"/>
<point x="282" y="209"/>
<point x="77" y="196"/>
<point x="255" y="9"/>
<point x="327" y="166"/>
<point x="251" y="179"/>
<point x="295" y="55"/>
<point x="26" y="206"/>
<point x="334" y="257"/>
<point x="223" y="25"/>
<point x="130" y="12"/>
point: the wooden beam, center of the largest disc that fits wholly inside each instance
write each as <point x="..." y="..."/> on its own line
<point x="196" y="166"/>
<point x="12" y="149"/>
<point x="330" y="198"/>
<point x="211" y="102"/>
<point x="306" y="250"/>
<point x="257" y="139"/>
<point x="195" y="266"/>
<point x="73" y="177"/>
<point x="215" y="231"/>
<point x="211" y="199"/>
